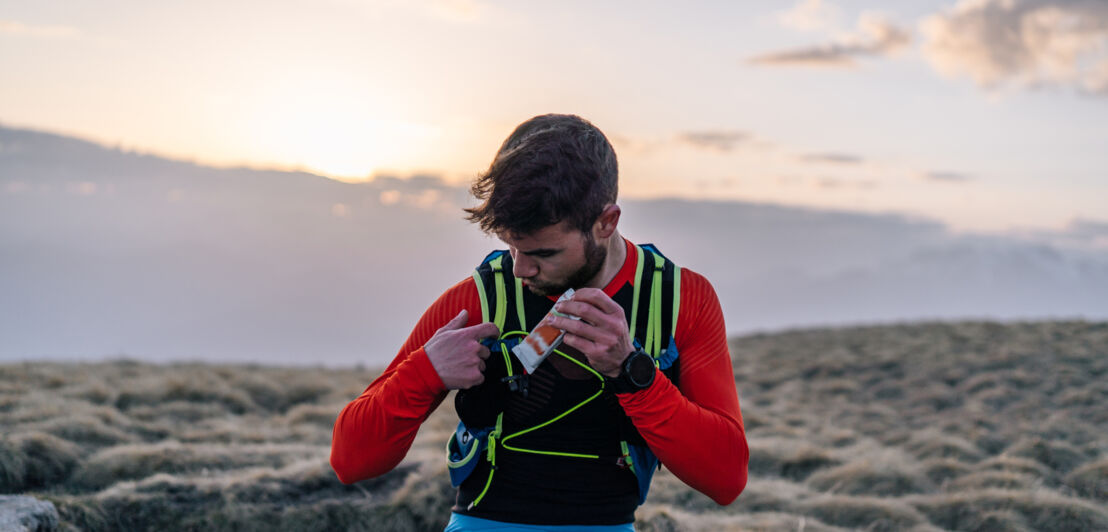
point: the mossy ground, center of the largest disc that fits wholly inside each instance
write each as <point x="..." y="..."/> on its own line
<point x="934" y="426"/>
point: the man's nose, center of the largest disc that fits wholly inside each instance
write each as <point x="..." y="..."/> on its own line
<point x="524" y="267"/>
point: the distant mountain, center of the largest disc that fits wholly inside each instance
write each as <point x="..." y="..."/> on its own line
<point x="106" y="252"/>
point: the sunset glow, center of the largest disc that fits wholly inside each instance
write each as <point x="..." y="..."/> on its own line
<point x="815" y="104"/>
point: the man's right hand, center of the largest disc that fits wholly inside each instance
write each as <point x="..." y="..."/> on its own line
<point x="456" y="352"/>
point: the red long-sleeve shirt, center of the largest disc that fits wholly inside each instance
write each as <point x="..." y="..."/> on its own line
<point x="695" y="430"/>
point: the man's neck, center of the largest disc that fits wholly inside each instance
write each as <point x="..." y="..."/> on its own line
<point x="617" y="254"/>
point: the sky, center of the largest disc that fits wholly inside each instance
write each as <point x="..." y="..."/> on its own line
<point x="987" y="115"/>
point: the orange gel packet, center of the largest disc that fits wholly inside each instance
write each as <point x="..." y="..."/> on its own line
<point x="543" y="340"/>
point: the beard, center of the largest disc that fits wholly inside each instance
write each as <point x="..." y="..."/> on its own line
<point x="595" y="255"/>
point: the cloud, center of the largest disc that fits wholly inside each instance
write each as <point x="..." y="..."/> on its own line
<point x="1088" y="228"/>
<point x="809" y="15"/>
<point x="834" y="183"/>
<point x="946" y="177"/>
<point x="640" y="146"/>
<point x="12" y="27"/>
<point x="722" y="140"/>
<point x="1090" y="233"/>
<point x="834" y="158"/>
<point x="1029" y="43"/>
<point x="826" y="182"/>
<point x="875" y="36"/>
<point x="427" y="199"/>
<point x="1083" y="235"/>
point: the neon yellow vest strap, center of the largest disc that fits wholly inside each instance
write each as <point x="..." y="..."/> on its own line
<point x="653" y="341"/>
<point x="637" y="285"/>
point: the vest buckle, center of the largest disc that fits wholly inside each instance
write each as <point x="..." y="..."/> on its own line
<point x="517" y="383"/>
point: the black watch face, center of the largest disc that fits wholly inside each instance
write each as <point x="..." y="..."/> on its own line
<point x="640" y="368"/>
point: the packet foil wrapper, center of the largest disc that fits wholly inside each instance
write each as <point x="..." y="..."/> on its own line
<point x="542" y="341"/>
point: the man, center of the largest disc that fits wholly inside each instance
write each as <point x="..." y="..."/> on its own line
<point x="550" y="195"/>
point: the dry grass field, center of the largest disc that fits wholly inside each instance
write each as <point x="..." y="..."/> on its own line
<point x="936" y="426"/>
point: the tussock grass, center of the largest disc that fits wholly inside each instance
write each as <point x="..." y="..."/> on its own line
<point x="665" y="518"/>
<point x="942" y="470"/>
<point x="1000" y="521"/>
<point x="788" y="458"/>
<point x="178" y="411"/>
<point x="34" y="460"/>
<point x="1017" y="465"/>
<point x="761" y="495"/>
<point x="127" y="462"/>
<point x="323" y="415"/>
<point x="1057" y="455"/>
<point x="770" y="495"/>
<point x="872" y="513"/>
<point x="203" y="389"/>
<point x="668" y="490"/>
<point x="993" y="479"/>
<point x="918" y="427"/>
<point x="1040" y="509"/>
<point x="87" y="431"/>
<point x="94" y="391"/>
<point x="1090" y="480"/>
<point x="935" y="444"/>
<point x="279" y="392"/>
<point x="872" y="477"/>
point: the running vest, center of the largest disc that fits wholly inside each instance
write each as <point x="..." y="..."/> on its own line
<point x="554" y="447"/>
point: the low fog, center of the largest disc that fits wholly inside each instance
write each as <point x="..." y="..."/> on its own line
<point x="106" y="253"/>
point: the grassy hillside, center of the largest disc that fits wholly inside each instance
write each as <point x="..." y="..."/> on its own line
<point x="965" y="426"/>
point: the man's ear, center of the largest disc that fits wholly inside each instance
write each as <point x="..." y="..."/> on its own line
<point x="607" y="221"/>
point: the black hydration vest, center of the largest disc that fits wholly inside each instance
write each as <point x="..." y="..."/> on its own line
<point x="554" y="447"/>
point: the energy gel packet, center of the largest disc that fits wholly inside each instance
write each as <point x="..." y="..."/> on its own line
<point x="543" y="340"/>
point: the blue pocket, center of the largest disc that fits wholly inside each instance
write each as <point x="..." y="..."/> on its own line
<point x="645" y="463"/>
<point x="464" y="450"/>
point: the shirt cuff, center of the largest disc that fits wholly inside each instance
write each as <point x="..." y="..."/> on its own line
<point x="638" y="398"/>
<point x="425" y="372"/>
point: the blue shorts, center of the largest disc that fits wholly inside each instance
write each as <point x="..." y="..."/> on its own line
<point x="465" y="523"/>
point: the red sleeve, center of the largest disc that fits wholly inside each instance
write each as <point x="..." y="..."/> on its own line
<point x="374" y="432"/>
<point x="697" y="430"/>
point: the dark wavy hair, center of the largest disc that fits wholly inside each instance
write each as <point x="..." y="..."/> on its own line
<point x="552" y="168"/>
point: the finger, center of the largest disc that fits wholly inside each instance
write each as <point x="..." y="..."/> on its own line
<point x="582" y="344"/>
<point x="583" y="310"/>
<point x="483" y="353"/>
<point x="598" y="299"/>
<point x="483" y="330"/>
<point x="481" y="366"/>
<point x="595" y="325"/>
<point x="579" y="328"/>
<point x="457" y="322"/>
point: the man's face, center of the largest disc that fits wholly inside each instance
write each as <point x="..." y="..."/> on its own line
<point x="555" y="258"/>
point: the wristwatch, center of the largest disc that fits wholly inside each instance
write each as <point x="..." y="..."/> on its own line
<point x="636" y="373"/>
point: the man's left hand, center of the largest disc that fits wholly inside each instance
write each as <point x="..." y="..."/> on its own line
<point x="601" y="334"/>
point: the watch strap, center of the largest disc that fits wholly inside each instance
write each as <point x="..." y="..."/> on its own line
<point x="624" y="383"/>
